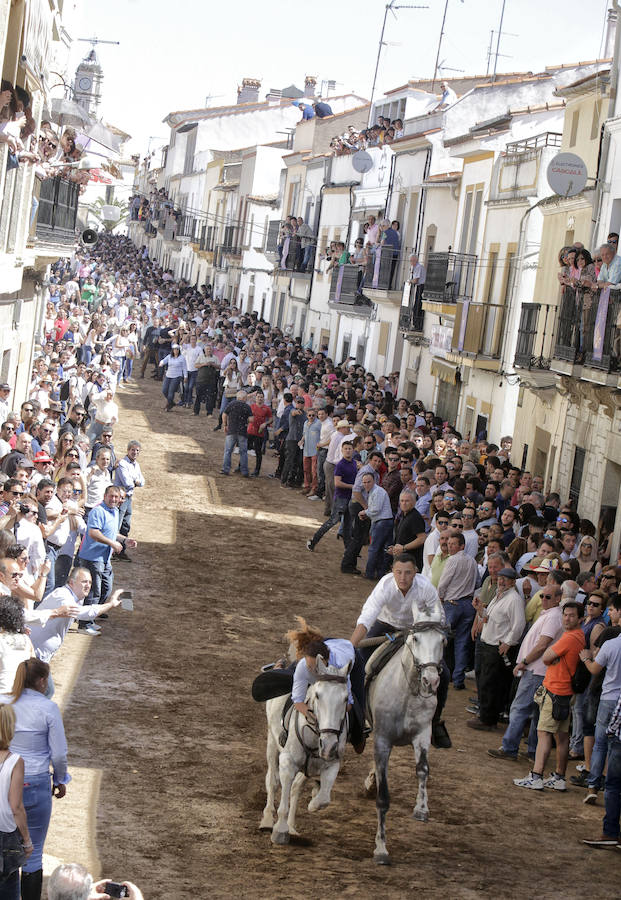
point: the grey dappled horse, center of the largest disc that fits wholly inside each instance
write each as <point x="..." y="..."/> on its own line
<point x="402" y="700"/>
<point x="313" y="751"/>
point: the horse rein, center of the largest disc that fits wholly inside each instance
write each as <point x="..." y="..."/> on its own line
<point x="418" y="666"/>
<point x="313" y="752"/>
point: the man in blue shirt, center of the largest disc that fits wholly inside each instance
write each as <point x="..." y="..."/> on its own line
<point x="307" y="111"/>
<point x="322" y="109"/>
<point x="379" y="512"/>
<point x="100" y="542"/>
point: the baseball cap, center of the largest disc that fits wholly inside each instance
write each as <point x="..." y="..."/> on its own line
<point x="42" y="457"/>
<point x="5" y="387"/>
<point x="343" y="424"/>
<point x="508" y="572"/>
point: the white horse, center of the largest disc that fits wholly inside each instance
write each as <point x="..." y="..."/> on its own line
<point x="311" y="751"/>
<point x="402" y="700"/>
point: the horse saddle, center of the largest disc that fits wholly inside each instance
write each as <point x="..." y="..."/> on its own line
<point x="380" y="657"/>
<point x="287" y="712"/>
<point x="273" y="683"/>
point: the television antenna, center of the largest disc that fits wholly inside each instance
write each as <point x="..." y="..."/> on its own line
<point x="95" y="40"/>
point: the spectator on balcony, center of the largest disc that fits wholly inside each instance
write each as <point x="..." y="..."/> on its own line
<point x="307" y="241"/>
<point x="398" y="126"/>
<point x="307" y="111"/>
<point x="322" y="109"/>
<point x="613" y="238"/>
<point x="390" y="239"/>
<point x="448" y="98"/>
<point x="417" y="280"/>
<point x="610" y="272"/>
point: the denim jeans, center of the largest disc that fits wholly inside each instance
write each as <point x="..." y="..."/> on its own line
<point x="600" y="749"/>
<point x="460" y="616"/>
<point x="170" y="388"/>
<point x="522" y="709"/>
<point x="241" y="441"/>
<point x="125" y="516"/>
<point x="103" y="578"/>
<point x="128" y="367"/>
<point x="9" y="887"/>
<point x="321" y="478"/>
<point x="189" y="387"/>
<point x="340" y="511"/>
<point x="381" y="538"/>
<point x="38" y="806"/>
<point x="612" y="796"/>
<point x="576" y="741"/>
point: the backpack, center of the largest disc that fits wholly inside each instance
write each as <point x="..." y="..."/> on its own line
<point x="580" y="679"/>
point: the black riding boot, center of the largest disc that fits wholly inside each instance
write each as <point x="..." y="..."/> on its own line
<point x="32" y="882"/>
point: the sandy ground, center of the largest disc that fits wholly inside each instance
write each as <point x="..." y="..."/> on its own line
<point x="167" y="746"/>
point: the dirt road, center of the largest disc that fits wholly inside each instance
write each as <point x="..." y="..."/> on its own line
<point x="169" y="746"/>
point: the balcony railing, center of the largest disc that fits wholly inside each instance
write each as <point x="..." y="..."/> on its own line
<point x="293" y="257"/>
<point x="535" y="336"/>
<point x="450" y="277"/>
<point x="410" y="321"/>
<point x="386" y="269"/>
<point x="589" y="329"/>
<point x="478" y="328"/>
<point x="58" y="209"/>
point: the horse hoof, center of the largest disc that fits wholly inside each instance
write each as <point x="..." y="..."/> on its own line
<point x="370" y="787"/>
<point x="314" y="806"/>
<point x="382" y="859"/>
<point x="280" y="837"/>
<point x="420" y="815"/>
<point x="293" y="832"/>
<point x="266" y="824"/>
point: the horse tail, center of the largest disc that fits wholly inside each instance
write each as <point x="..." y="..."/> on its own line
<point x="302" y="636"/>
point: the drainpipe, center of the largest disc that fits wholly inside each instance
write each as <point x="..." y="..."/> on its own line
<point x="423" y="203"/>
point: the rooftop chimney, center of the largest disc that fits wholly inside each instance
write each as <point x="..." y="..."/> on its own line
<point x="611" y="27"/>
<point x="249" y="90"/>
<point x="310" y="85"/>
<point x="274" y="95"/>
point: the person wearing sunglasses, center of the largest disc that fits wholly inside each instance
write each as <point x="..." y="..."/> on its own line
<point x="531" y="670"/>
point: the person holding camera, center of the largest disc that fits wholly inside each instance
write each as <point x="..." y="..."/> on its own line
<point x="72" y="880"/>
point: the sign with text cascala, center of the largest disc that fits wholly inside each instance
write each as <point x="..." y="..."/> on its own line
<point x="567" y="174"/>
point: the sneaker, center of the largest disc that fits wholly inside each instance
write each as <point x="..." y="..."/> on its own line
<point x="235" y="451"/>
<point x="556" y="782"/>
<point x="602" y="841"/>
<point x="313" y="497"/>
<point x="474" y="701"/>
<point x="581" y="779"/>
<point x="309" y="546"/>
<point x="439" y="736"/>
<point x="581" y="768"/>
<point x="459" y="687"/>
<point x="252" y="453"/>
<point x="470" y="675"/>
<point x="474" y="710"/>
<point x="91" y="629"/>
<point x="591" y="797"/>
<point x="502" y="754"/>
<point x="532" y="781"/>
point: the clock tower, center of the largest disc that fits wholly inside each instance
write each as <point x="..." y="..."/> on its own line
<point x="88" y="83"/>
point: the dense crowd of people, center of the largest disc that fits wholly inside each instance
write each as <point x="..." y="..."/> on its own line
<point x="529" y="589"/>
<point x="66" y="494"/>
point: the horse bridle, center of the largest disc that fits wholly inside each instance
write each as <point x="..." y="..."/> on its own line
<point x="313" y="752"/>
<point x="428" y="625"/>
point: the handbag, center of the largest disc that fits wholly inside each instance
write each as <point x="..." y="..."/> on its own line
<point x="560" y="706"/>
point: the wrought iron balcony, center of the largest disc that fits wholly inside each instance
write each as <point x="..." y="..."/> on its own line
<point x="411" y="322"/>
<point x="535" y="336"/>
<point x="450" y="277"/>
<point x="589" y="329"/>
<point x="345" y="291"/>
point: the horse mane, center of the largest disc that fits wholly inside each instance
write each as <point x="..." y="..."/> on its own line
<point x="302" y="636"/>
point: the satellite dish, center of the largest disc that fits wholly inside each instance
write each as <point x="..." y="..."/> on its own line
<point x="567" y="174"/>
<point x="110" y="213"/>
<point x="362" y="161"/>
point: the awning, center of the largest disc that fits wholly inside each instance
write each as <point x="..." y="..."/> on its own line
<point x="444" y="371"/>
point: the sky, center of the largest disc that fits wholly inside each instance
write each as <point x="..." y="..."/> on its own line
<point x="172" y="55"/>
